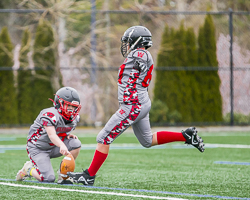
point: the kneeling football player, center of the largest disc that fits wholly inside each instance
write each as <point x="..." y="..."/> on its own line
<point x="50" y="136"/>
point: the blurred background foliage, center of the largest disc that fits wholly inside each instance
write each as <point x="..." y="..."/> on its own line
<point x="49" y="43"/>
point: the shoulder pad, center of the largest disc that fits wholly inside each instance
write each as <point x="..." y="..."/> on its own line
<point x="141" y="54"/>
<point x="50" y="115"/>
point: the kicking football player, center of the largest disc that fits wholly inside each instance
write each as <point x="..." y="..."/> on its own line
<point x="133" y="80"/>
<point x="50" y="136"/>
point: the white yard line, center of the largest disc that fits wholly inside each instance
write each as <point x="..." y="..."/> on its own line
<point x="89" y="191"/>
<point x="3" y="148"/>
<point x="234" y="146"/>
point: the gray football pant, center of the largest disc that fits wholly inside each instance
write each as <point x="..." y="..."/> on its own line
<point x="41" y="158"/>
<point x="137" y="116"/>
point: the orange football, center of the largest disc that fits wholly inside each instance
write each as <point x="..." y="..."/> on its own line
<point x="67" y="165"/>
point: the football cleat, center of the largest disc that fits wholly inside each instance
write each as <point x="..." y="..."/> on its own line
<point x="61" y="179"/>
<point x="24" y="172"/>
<point x="67" y="181"/>
<point x="192" y="138"/>
<point x="82" y="177"/>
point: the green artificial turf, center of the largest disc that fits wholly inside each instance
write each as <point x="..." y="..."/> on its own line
<point x="169" y="171"/>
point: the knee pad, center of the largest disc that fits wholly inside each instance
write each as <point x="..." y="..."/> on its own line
<point x="51" y="178"/>
<point x="146" y="143"/>
<point x="75" y="144"/>
<point x="102" y="135"/>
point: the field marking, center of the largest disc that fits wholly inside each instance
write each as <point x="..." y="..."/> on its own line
<point x="3" y="148"/>
<point x="7" y="139"/>
<point x="89" y="191"/>
<point x="231" y="163"/>
<point x="139" y="190"/>
<point x="234" y="146"/>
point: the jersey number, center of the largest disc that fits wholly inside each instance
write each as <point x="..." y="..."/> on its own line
<point x="148" y="77"/>
<point x="145" y="82"/>
<point x="121" y="70"/>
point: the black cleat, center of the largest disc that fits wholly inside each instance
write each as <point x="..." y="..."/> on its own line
<point x="82" y="177"/>
<point x="192" y="138"/>
<point x="67" y="181"/>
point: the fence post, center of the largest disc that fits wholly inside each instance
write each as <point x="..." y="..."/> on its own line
<point x="231" y="66"/>
<point x="93" y="58"/>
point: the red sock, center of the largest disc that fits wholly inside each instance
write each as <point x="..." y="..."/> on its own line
<point x="97" y="162"/>
<point x="166" y="137"/>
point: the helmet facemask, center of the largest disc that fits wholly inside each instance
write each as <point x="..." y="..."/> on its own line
<point x="67" y="113"/>
<point x="62" y="106"/>
<point x="125" y="45"/>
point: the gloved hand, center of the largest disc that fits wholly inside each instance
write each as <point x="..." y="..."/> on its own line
<point x="141" y="66"/>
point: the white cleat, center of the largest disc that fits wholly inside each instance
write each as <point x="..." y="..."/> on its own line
<point x="23" y="173"/>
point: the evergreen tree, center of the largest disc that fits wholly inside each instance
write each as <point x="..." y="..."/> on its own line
<point x="211" y="109"/>
<point x="8" y="102"/>
<point x="44" y="59"/>
<point x="25" y="83"/>
<point x="166" y="84"/>
<point x="163" y="59"/>
<point x="174" y="87"/>
<point x="166" y="81"/>
<point x="183" y="103"/>
<point x="193" y="84"/>
<point x="194" y="94"/>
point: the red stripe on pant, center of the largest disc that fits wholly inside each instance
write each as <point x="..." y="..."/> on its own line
<point x="124" y="124"/>
<point x="35" y="165"/>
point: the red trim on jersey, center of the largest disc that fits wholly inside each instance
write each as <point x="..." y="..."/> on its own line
<point x="35" y="136"/>
<point x="148" y="77"/>
<point x="121" y="70"/>
<point x="62" y="135"/>
<point x="167" y="136"/>
<point x="130" y="95"/>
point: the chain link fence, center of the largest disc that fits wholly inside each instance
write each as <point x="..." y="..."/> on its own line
<point x="88" y="45"/>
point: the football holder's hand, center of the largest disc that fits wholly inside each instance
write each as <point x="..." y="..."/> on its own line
<point x="64" y="150"/>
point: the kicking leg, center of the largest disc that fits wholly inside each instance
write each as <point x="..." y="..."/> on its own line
<point x="87" y="177"/>
<point x="163" y="137"/>
<point x="189" y="136"/>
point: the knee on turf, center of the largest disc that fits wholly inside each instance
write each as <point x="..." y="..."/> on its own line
<point x="50" y="178"/>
